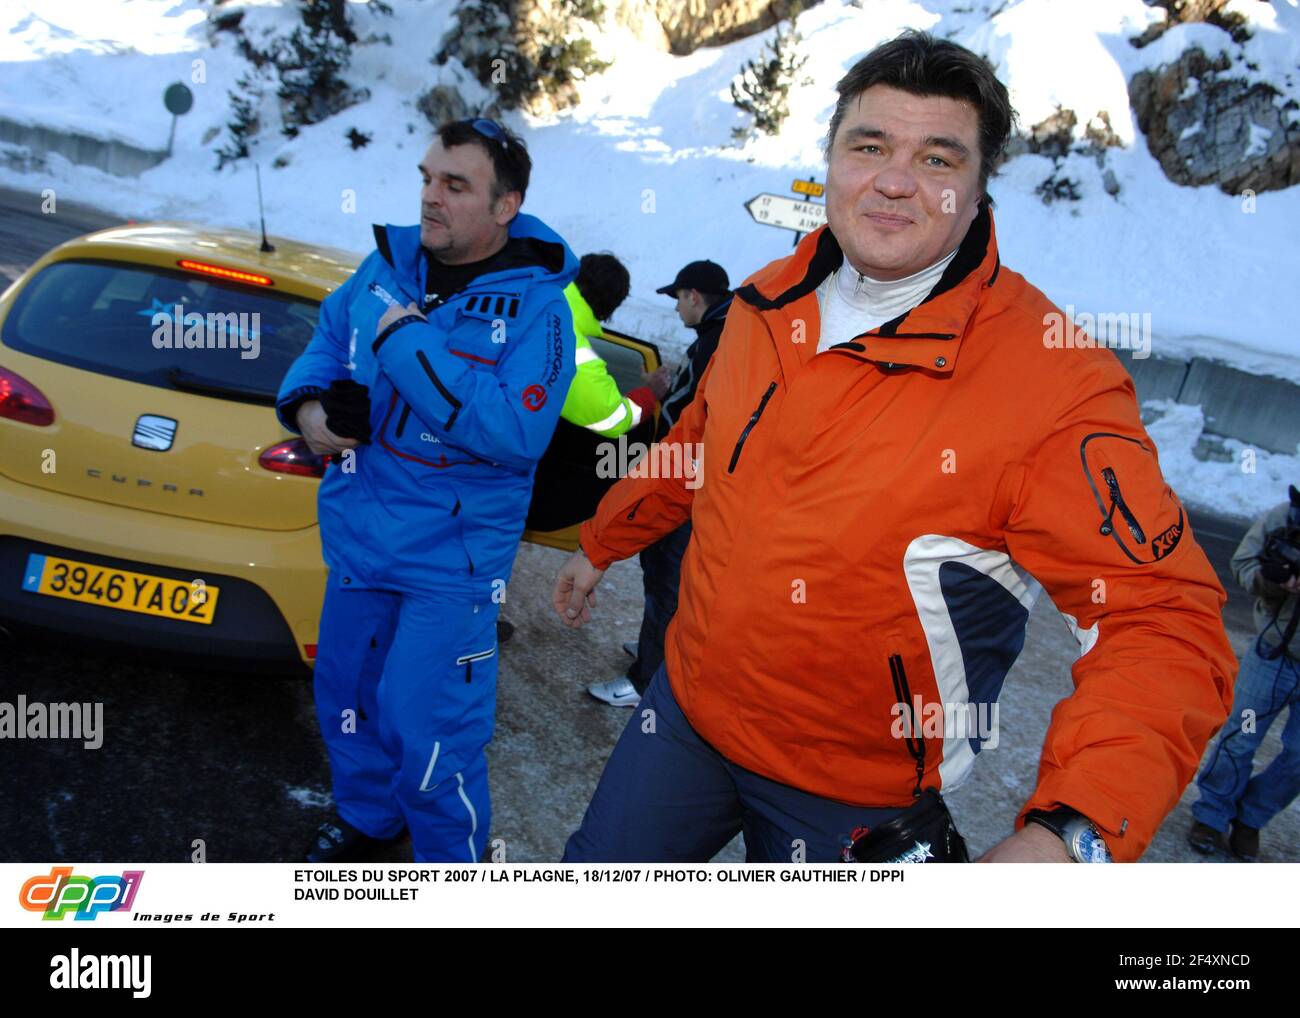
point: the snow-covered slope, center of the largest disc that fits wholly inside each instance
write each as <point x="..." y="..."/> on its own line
<point x="645" y="167"/>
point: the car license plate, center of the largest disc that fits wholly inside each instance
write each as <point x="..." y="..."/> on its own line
<point x="116" y="588"/>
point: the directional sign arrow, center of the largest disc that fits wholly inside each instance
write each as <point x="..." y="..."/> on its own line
<point x="786" y="213"/>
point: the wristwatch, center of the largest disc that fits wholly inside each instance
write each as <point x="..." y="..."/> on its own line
<point x="1083" y="842"/>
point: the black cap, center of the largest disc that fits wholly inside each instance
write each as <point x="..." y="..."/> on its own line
<point x="705" y="276"/>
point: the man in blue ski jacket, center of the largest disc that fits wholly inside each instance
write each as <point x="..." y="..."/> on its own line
<point x="434" y="381"/>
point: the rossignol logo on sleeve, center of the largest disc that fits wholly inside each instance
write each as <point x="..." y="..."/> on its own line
<point x="557" y="350"/>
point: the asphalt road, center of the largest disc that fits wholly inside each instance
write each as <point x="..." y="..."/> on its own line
<point x="26" y="232"/>
<point x="233" y="762"/>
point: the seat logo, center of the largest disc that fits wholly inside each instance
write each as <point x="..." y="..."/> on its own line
<point x="154" y="432"/>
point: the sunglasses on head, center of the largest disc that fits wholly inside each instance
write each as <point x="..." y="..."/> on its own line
<point x="489" y="129"/>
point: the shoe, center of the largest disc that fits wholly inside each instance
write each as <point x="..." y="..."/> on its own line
<point x="630" y="648"/>
<point x="505" y="630"/>
<point x="1204" y="839"/>
<point x="1244" y="841"/>
<point x="338" y="841"/>
<point x="617" y="692"/>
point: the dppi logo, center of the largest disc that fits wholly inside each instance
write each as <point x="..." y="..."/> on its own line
<point x="60" y="893"/>
<point x="534" y="397"/>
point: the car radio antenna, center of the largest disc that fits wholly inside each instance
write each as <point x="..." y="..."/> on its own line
<point x="266" y="247"/>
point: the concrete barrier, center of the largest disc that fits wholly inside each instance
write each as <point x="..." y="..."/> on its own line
<point x="1155" y="377"/>
<point x="1260" y="410"/>
<point x="114" y="157"/>
<point x="1257" y="409"/>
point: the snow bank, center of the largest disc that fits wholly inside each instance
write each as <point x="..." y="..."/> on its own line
<point x="644" y="166"/>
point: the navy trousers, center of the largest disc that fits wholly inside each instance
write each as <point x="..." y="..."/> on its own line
<point x="661" y="569"/>
<point x="666" y="795"/>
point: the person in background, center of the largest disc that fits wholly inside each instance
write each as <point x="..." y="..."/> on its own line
<point x="1266" y="564"/>
<point x="703" y="295"/>
<point x="594" y="401"/>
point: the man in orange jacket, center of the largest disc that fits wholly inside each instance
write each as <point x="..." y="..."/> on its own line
<point x="899" y="453"/>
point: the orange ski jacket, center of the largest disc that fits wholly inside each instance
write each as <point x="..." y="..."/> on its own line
<point x="872" y="524"/>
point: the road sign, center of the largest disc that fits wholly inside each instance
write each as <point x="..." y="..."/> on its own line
<point x="809" y="187"/>
<point x="178" y="99"/>
<point x="786" y="213"/>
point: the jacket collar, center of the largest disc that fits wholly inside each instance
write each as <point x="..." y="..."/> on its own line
<point x="929" y="336"/>
<point x="713" y="313"/>
<point x="549" y="257"/>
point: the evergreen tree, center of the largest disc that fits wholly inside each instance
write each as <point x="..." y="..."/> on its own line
<point x="311" y="62"/>
<point x="522" y="65"/>
<point x="243" y="123"/>
<point x="762" y="88"/>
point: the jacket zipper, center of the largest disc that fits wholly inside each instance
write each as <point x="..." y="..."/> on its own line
<point x="442" y="389"/>
<point x="455" y="511"/>
<point x="1108" y="478"/>
<point x="753" y="419"/>
<point x="913" y="740"/>
<point x="469" y="659"/>
<point x="401" y="421"/>
<point x="1117" y="501"/>
<point x="635" y="506"/>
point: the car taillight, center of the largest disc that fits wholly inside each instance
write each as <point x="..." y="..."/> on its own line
<point x="22" y="401"/>
<point x="293" y="457"/>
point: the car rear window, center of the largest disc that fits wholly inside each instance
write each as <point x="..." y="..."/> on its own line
<point x="162" y="327"/>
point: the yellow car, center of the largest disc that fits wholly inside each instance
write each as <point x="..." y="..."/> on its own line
<point x="148" y="495"/>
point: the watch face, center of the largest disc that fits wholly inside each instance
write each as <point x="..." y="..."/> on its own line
<point x="1092" y="846"/>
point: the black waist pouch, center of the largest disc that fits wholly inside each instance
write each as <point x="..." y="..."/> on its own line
<point x="924" y="832"/>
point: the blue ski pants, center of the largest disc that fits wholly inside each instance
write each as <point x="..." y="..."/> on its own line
<point x="406" y="699"/>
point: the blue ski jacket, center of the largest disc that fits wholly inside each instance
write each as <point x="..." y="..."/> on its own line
<point x="462" y="406"/>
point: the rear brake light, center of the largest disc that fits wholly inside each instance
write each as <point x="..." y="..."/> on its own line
<point x="22" y="401"/>
<point x="221" y="272"/>
<point x="293" y="457"/>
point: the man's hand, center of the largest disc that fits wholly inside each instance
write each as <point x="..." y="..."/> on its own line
<point x="395" y="312"/>
<point x="659" y="381"/>
<point x="574" y="594"/>
<point x="1269" y="577"/>
<point x="319" y="438"/>
<point x="1032" y="843"/>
